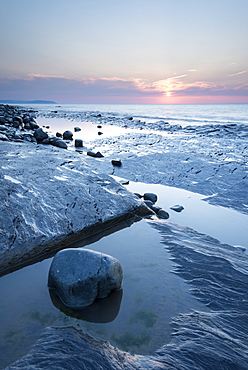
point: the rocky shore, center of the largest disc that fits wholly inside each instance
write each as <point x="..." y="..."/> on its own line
<point x="50" y="197"/>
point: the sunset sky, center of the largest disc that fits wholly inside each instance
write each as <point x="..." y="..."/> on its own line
<point x="132" y="51"/>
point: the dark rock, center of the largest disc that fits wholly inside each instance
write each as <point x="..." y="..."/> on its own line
<point x="16" y="124"/>
<point x="39" y="134"/>
<point x="116" y="162"/>
<point x="138" y="195"/>
<point x="3" y="128"/>
<point x="79" y="276"/>
<point x="58" y="134"/>
<point x="2" y="119"/>
<point x="100" y="133"/>
<point x="57" y="141"/>
<point x="27" y="126"/>
<point x="3" y="137"/>
<point x="34" y="125"/>
<point x="99" y="126"/>
<point x="67" y="135"/>
<point x="177" y="208"/>
<point x="163" y="214"/>
<point x="78" y="143"/>
<point x="149" y="203"/>
<point x="99" y="115"/>
<point x="130" y="118"/>
<point x="45" y="141"/>
<point x="76" y="129"/>
<point x="18" y="119"/>
<point x="151" y="196"/>
<point x="156" y="209"/>
<point x="93" y="154"/>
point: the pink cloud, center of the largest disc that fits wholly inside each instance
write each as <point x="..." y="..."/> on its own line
<point x="116" y="90"/>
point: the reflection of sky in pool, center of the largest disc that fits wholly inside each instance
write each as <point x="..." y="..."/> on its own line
<point x="139" y="320"/>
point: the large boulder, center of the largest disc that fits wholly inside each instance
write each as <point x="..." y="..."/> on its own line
<point x="40" y="135"/>
<point x="79" y="276"/>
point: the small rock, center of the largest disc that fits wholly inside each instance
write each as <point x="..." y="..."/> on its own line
<point x="100" y="133"/>
<point x="34" y="125"/>
<point x="78" y="143"/>
<point x="57" y="141"/>
<point x="151" y="196"/>
<point x="130" y="118"/>
<point x="99" y="126"/>
<point x="177" y="208"/>
<point x="3" y="137"/>
<point x="124" y="182"/>
<point x="67" y="135"/>
<point x="58" y="134"/>
<point x="138" y="195"/>
<point x="93" y="154"/>
<point x="76" y="129"/>
<point x="163" y="214"/>
<point x="156" y="209"/>
<point x="39" y="134"/>
<point x="80" y="276"/>
<point x="116" y="162"/>
<point x="149" y="203"/>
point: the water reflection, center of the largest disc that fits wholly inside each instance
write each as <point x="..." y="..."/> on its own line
<point x="101" y="311"/>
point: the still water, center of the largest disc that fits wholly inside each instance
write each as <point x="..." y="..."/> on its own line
<point x="136" y="319"/>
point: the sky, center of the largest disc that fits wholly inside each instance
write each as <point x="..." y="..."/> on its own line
<point x="127" y="52"/>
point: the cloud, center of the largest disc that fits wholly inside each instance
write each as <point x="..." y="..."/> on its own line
<point x="113" y="89"/>
<point x="238" y="73"/>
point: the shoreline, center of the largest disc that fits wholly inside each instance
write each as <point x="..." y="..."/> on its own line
<point x="145" y="157"/>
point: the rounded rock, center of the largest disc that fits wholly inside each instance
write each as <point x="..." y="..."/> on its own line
<point x="78" y="143"/>
<point x="67" y="135"/>
<point x="80" y="276"/>
<point x="163" y="214"/>
<point x="151" y="196"/>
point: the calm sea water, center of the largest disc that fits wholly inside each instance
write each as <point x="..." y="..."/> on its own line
<point x="181" y="114"/>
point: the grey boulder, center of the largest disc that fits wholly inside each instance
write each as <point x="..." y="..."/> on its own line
<point x="80" y="276"/>
<point x="177" y="208"/>
<point x="39" y="134"/>
<point x="67" y="135"/>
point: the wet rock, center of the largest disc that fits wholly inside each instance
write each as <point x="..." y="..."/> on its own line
<point x="100" y="133"/>
<point x="151" y="196"/>
<point x="93" y="154"/>
<point x="57" y="141"/>
<point x="67" y="135"/>
<point x="3" y="128"/>
<point x="99" y="126"/>
<point x="116" y="162"/>
<point x="138" y="195"/>
<point x="3" y="137"/>
<point x="163" y="214"/>
<point x="40" y="135"/>
<point x="18" y="119"/>
<point x="156" y="209"/>
<point x="78" y="143"/>
<point x="79" y="276"/>
<point x="34" y="125"/>
<point x="76" y="129"/>
<point x="58" y="134"/>
<point x="177" y="208"/>
<point x="149" y="203"/>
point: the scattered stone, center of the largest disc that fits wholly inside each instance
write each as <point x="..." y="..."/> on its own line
<point x="156" y="209"/>
<point x="100" y="133"/>
<point x="78" y="143"/>
<point x="163" y="214"/>
<point x="99" y="126"/>
<point x="99" y="115"/>
<point x="177" y="208"/>
<point x="3" y="128"/>
<point x="124" y="182"/>
<point x="3" y="137"/>
<point x="151" y="196"/>
<point x="67" y="135"/>
<point x="57" y="141"/>
<point x="58" y="134"/>
<point x="76" y="129"/>
<point x="116" y="162"/>
<point x="138" y="195"/>
<point x="130" y="118"/>
<point x="40" y="135"/>
<point x="149" y="203"/>
<point x="93" y="154"/>
<point x="80" y="276"/>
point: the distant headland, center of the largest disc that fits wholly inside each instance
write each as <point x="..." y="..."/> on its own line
<point x="27" y="102"/>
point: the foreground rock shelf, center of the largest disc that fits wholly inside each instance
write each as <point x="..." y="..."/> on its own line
<point x="51" y="198"/>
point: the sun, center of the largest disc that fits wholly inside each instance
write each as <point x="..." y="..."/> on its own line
<point x="168" y="93"/>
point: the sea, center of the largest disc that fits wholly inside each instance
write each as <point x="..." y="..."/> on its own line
<point x="188" y="114"/>
<point x="184" y="299"/>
